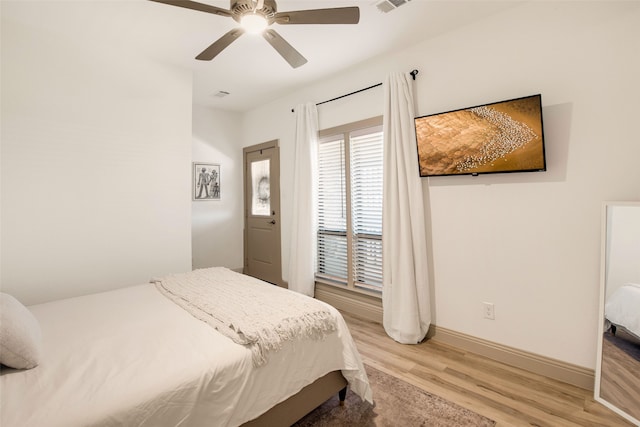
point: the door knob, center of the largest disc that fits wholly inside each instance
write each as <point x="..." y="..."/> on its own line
<point x="273" y="221"/>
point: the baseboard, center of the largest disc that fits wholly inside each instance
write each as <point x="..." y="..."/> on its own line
<point x="548" y="367"/>
<point x="370" y="308"/>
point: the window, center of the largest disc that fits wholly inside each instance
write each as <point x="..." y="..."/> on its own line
<point x="350" y="206"/>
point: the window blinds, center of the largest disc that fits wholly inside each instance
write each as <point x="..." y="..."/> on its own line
<point x="354" y="189"/>
<point x="332" y="211"/>
<point x="366" y="206"/>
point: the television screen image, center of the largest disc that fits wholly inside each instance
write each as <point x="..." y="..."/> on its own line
<point x="504" y="136"/>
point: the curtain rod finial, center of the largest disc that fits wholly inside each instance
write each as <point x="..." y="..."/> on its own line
<point x="414" y="73"/>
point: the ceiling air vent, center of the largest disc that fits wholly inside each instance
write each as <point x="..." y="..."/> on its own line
<point x="387" y="6"/>
<point x="221" y="94"/>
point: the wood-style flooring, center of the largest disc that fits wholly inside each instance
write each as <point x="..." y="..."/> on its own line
<point x="620" y="383"/>
<point x="508" y="395"/>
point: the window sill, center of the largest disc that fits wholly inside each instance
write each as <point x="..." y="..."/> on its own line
<point x="367" y="305"/>
<point x="343" y="287"/>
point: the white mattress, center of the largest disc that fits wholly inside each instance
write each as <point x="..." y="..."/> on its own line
<point x="623" y="308"/>
<point x="132" y="357"/>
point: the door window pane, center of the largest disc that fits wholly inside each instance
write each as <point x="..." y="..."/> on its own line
<point x="261" y="194"/>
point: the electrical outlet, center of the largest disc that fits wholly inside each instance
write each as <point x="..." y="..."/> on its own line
<point x="488" y="310"/>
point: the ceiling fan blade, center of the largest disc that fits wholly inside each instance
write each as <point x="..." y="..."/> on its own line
<point x="218" y="46"/>
<point x="338" y="15"/>
<point x="187" y="4"/>
<point x="292" y="56"/>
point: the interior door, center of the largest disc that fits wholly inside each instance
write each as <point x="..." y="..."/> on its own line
<point x="262" y="246"/>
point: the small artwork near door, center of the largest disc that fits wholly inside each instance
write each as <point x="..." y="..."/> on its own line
<point x="206" y="181"/>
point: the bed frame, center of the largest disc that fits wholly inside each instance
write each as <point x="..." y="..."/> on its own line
<point x="630" y="335"/>
<point x="306" y="400"/>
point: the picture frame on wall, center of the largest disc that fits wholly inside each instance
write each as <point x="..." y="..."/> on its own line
<point x="206" y="181"/>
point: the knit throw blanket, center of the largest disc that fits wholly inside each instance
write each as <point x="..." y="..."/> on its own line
<point x="249" y="311"/>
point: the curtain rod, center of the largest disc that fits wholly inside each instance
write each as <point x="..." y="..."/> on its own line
<point x="413" y="73"/>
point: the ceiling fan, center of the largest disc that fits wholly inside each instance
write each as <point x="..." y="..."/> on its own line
<point x="256" y="15"/>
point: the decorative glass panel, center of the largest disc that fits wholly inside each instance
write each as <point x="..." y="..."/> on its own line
<point x="261" y="193"/>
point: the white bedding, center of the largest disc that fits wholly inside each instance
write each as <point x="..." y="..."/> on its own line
<point x="623" y="308"/>
<point x="132" y="357"/>
<point x="228" y="301"/>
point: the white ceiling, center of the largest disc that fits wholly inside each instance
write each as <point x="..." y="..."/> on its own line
<point x="249" y="69"/>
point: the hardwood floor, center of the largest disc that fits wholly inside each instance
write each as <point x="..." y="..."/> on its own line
<point x="508" y="395"/>
<point x="619" y="368"/>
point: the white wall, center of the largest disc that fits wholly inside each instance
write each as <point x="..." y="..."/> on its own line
<point x="217" y="225"/>
<point x="623" y="247"/>
<point x="530" y="242"/>
<point x="96" y="155"/>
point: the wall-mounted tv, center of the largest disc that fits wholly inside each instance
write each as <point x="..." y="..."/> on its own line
<point x="504" y="136"/>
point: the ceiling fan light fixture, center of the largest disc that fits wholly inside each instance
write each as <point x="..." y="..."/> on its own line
<point x="254" y="23"/>
<point x="254" y="16"/>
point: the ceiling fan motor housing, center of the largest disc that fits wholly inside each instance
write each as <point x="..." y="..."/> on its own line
<point x="239" y="8"/>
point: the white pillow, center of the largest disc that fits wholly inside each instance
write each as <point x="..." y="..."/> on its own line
<point x="20" y="335"/>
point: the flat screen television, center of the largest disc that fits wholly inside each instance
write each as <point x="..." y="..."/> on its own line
<point x="499" y="137"/>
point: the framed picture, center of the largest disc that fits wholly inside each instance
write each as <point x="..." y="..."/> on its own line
<point x="206" y="181"/>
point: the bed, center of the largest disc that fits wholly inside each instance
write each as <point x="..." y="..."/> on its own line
<point x="137" y="356"/>
<point x="622" y="310"/>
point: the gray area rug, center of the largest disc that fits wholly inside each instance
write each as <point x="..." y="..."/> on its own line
<point x="625" y="342"/>
<point x="397" y="403"/>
